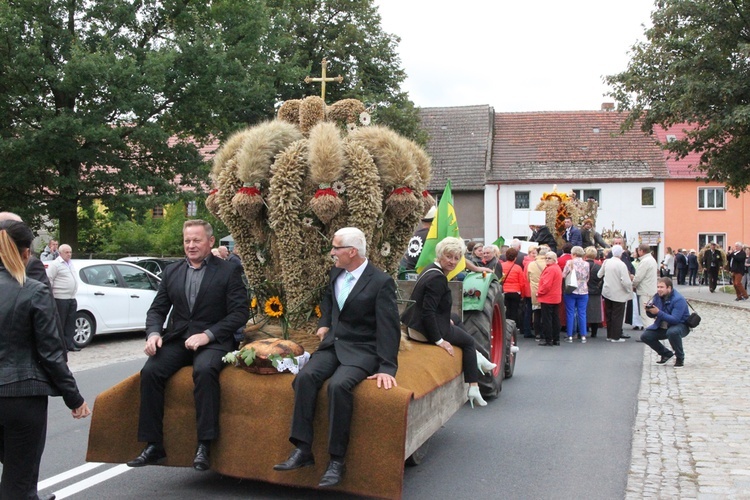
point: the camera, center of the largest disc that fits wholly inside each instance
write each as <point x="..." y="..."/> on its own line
<point x="649" y="305"/>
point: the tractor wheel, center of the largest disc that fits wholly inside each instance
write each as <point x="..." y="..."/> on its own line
<point x="482" y="325"/>
<point x="418" y="455"/>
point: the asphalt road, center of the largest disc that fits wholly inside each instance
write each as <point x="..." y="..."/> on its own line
<point x="561" y="429"/>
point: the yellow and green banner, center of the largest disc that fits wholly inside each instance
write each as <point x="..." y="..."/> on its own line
<point x="443" y="225"/>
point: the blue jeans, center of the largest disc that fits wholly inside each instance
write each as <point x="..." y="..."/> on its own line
<point x="575" y="305"/>
<point x="674" y="334"/>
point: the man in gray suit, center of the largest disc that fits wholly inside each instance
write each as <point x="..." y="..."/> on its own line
<point x="360" y="333"/>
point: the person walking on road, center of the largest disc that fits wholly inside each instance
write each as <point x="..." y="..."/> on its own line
<point x="33" y="366"/>
<point x="737" y="268"/>
<point x="670" y="312"/>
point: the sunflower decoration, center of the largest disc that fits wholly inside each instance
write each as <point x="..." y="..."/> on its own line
<point x="273" y="307"/>
<point x="318" y="312"/>
<point x="254" y="302"/>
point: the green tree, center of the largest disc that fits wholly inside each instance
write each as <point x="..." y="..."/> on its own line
<point x="694" y="68"/>
<point x="349" y="35"/>
<point x="93" y="94"/>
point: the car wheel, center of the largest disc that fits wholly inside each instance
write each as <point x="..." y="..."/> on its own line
<point x="85" y="329"/>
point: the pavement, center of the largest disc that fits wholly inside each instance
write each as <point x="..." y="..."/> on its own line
<point x="691" y="437"/>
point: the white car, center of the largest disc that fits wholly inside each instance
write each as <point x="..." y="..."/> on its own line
<point x="112" y="297"/>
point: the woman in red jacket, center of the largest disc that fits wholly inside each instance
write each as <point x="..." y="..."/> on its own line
<point x="513" y="281"/>
<point x="549" y="296"/>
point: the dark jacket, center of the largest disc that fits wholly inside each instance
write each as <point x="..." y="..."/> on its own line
<point x="673" y="309"/>
<point x="592" y="239"/>
<point x="543" y="236"/>
<point x="221" y="305"/>
<point x="680" y="261"/>
<point x="737" y="262"/>
<point x="692" y="260"/>
<point x="32" y="360"/>
<point x="431" y="313"/>
<point x="712" y="259"/>
<point x="575" y="237"/>
<point x="595" y="282"/>
<point x="366" y="331"/>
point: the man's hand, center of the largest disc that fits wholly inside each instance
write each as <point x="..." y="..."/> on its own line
<point x="653" y="310"/>
<point x="196" y="340"/>
<point x="447" y="346"/>
<point x="384" y="380"/>
<point x="152" y="344"/>
<point x="321" y="333"/>
<point x="82" y="411"/>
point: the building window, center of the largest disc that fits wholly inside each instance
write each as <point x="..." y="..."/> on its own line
<point x="671" y="138"/>
<point x="588" y="195"/>
<point x="711" y="198"/>
<point x="158" y="212"/>
<point x="705" y="239"/>
<point x="647" y="197"/>
<point x="191" y="209"/>
<point x="523" y="199"/>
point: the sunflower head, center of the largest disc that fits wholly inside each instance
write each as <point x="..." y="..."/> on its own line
<point x="273" y="307"/>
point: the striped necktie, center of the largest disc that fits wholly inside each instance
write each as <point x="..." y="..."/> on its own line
<point x="346" y="287"/>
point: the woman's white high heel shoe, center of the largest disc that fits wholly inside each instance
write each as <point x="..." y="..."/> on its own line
<point x="484" y="364"/>
<point x="475" y="396"/>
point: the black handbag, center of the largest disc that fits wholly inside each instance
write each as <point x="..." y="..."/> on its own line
<point x="694" y="319"/>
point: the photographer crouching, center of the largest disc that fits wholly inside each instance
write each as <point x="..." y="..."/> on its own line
<point x="670" y="312"/>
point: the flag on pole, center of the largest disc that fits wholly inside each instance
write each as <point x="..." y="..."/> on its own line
<point x="443" y="225"/>
<point x="500" y="241"/>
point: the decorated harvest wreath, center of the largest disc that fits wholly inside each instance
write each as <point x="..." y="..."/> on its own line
<point x="284" y="187"/>
<point x="559" y="205"/>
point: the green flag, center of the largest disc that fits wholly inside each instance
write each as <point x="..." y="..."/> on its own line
<point x="500" y="241"/>
<point x="443" y="225"/>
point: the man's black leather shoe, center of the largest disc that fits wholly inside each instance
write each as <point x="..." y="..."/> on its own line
<point x="151" y="455"/>
<point x="665" y="358"/>
<point x="296" y="460"/>
<point x="624" y="336"/>
<point x="679" y="362"/>
<point x="200" y="462"/>
<point x="333" y="474"/>
<point x="48" y="497"/>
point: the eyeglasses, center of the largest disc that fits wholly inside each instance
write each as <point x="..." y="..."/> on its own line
<point x="549" y="258"/>
<point x="334" y="247"/>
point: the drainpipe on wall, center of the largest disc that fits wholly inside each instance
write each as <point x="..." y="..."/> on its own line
<point x="497" y="210"/>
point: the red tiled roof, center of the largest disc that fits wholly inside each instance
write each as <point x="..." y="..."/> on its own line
<point x="686" y="167"/>
<point x="572" y="145"/>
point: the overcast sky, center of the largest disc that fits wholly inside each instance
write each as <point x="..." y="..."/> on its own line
<point x="524" y="55"/>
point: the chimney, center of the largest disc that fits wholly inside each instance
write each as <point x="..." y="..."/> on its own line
<point x="608" y="106"/>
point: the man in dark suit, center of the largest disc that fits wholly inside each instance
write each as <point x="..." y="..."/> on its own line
<point x="209" y="303"/>
<point x="572" y="234"/>
<point x="360" y="332"/>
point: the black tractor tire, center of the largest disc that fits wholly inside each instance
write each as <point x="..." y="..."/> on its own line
<point x="418" y="455"/>
<point x="479" y="325"/>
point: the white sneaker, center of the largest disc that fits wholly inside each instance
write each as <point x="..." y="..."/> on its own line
<point x="569" y="340"/>
<point x="583" y="340"/>
<point x="617" y="340"/>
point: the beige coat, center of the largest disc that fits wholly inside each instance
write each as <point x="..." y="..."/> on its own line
<point x="533" y="272"/>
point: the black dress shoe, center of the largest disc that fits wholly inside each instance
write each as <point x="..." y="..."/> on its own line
<point x="679" y="362"/>
<point x="74" y="349"/>
<point x="200" y="462"/>
<point x="665" y="358"/>
<point x="624" y="336"/>
<point x="296" y="460"/>
<point x="51" y="496"/>
<point x="333" y="474"/>
<point x="151" y="455"/>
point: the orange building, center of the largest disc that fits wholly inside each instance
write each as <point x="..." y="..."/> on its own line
<point x="698" y="212"/>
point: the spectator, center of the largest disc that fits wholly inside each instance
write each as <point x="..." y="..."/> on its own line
<point x="64" y="284"/>
<point x="712" y="263"/>
<point x="571" y="234"/>
<point x="692" y="260"/>
<point x="590" y="237"/>
<point x="667" y="264"/>
<point x="513" y="284"/>
<point x="681" y="265"/>
<point x="594" y="305"/>
<point x="616" y="291"/>
<point x="533" y="274"/>
<point x="644" y="280"/>
<point x="549" y="295"/>
<point x="543" y="236"/>
<point x="50" y="251"/>
<point x="577" y="300"/>
<point x="737" y="268"/>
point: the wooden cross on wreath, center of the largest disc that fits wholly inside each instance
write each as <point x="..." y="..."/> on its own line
<point x="323" y="79"/>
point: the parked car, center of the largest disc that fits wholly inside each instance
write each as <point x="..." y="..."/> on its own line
<point x="113" y="296"/>
<point x="154" y="265"/>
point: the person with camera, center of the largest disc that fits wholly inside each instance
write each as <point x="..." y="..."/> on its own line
<point x="670" y="312"/>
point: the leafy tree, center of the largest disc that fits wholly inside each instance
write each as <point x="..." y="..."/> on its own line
<point x="349" y="35"/>
<point x="694" y="68"/>
<point x="92" y="92"/>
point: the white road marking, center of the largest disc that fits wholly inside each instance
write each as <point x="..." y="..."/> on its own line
<point x="91" y="481"/>
<point x="67" y="475"/>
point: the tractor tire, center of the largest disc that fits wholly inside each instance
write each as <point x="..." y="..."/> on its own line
<point x="479" y="324"/>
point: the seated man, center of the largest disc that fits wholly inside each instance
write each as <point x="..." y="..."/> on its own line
<point x="209" y="303"/>
<point x="360" y="333"/>
<point x="670" y="312"/>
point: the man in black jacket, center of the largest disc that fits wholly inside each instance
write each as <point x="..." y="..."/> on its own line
<point x="209" y="303"/>
<point x="542" y="236"/>
<point x="712" y="262"/>
<point x="360" y="332"/>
